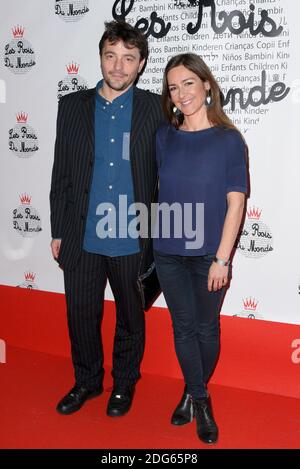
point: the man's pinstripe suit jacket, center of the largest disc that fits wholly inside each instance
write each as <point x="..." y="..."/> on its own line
<point x="74" y="162"/>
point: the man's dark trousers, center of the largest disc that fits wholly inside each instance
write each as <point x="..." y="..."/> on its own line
<point x="84" y="287"/>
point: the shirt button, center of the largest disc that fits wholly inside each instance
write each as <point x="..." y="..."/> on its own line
<point x="112" y="140"/>
<point x="109" y="209"/>
<point x="107" y="103"/>
<point x="121" y="106"/>
<point x="109" y="229"/>
<point x="110" y="187"/>
<point x="104" y="107"/>
<point x="111" y="164"/>
<point x="113" y="117"/>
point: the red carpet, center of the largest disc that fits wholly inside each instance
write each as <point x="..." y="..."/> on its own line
<point x="33" y="382"/>
<point x="255" y="354"/>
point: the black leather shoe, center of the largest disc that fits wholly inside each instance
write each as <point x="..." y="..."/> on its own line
<point x="184" y="411"/>
<point x="120" y="401"/>
<point x="75" y="399"/>
<point x="207" y="429"/>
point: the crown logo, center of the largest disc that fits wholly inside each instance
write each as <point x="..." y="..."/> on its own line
<point x="254" y="213"/>
<point x="25" y="199"/>
<point x="73" y="68"/>
<point x="29" y="276"/>
<point x="250" y="304"/>
<point x="18" y="31"/>
<point x="22" y="117"/>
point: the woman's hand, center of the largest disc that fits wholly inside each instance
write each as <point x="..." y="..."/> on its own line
<point x="217" y="277"/>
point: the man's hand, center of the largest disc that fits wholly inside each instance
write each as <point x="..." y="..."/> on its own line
<point x="55" y="247"/>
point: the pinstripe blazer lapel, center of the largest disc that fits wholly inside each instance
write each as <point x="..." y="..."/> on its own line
<point x="140" y="111"/>
<point x="87" y="111"/>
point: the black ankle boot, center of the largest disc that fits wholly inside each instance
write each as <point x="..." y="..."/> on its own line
<point x="184" y="411"/>
<point x="207" y="429"/>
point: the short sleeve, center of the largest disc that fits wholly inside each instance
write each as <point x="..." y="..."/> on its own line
<point x="236" y="167"/>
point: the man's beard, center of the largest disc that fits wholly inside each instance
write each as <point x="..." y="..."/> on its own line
<point x="116" y="84"/>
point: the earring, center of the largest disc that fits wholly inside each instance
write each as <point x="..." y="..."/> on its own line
<point x="208" y="99"/>
<point x="176" y="111"/>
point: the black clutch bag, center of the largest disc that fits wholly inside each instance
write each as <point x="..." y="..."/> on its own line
<point x="149" y="287"/>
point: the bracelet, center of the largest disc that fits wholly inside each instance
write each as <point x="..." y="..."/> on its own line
<point x="221" y="262"/>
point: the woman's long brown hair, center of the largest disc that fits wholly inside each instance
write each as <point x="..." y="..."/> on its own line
<point x="195" y="64"/>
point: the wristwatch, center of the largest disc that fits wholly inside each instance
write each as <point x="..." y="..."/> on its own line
<point x="221" y="262"/>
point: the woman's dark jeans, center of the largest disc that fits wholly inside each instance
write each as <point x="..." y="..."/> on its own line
<point x="195" y="316"/>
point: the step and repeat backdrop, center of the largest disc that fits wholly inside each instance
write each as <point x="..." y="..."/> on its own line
<point x="50" y="48"/>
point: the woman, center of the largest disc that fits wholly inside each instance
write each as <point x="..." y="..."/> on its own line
<point x="202" y="169"/>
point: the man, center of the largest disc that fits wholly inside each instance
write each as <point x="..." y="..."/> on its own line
<point x="105" y="148"/>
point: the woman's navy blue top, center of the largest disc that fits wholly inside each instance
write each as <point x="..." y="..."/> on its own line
<point x="198" y="167"/>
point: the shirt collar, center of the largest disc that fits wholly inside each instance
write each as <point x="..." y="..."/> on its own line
<point x="121" y="100"/>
